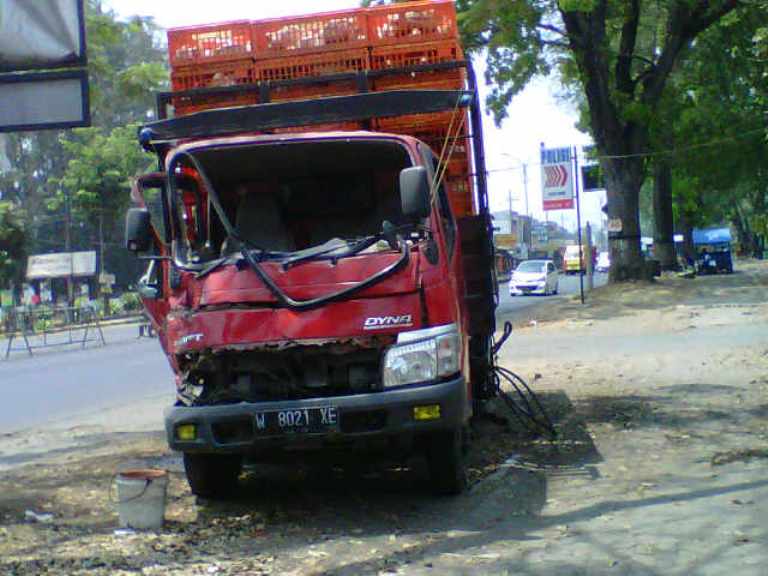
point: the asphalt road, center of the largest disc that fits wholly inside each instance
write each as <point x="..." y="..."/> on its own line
<point x="568" y="286"/>
<point x="62" y="382"/>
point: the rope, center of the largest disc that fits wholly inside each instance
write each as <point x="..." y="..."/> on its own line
<point x="443" y="160"/>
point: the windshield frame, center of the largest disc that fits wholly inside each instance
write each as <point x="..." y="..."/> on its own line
<point x="408" y="144"/>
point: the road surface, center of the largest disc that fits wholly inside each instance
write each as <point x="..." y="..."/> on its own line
<point x="59" y="383"/>
<point x="568" y="286"/>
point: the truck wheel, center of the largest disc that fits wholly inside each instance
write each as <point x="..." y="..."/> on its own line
<point x="445" y="459"/>
<point x="212" y="475"/>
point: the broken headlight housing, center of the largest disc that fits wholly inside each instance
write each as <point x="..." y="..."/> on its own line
<point x="423" y="356"/>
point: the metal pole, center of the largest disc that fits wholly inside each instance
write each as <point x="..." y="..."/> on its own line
<point x="578" y="221"/>
<point x="525" y="186"/>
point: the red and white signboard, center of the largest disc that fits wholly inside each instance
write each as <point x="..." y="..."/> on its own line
<point x="557" y="178"/>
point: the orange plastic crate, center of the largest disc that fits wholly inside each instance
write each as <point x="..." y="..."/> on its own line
<point x="309" y="65"/>
<point x="212" y="74"/>
<point x="460" y="196"/>
<point x="329" y="31"/>
<point x="412" y="22"/>
<point x="335" y="127"/>
<point x="210" y="43"/>
<point x="309" y="91"/>
<point x="438" y="80"/>
<point x="435" y="124"/>
<point x="184" y="105"/>
<point x="385" y="57"/>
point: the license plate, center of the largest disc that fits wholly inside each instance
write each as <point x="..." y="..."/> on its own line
<point x="299" y="421"/>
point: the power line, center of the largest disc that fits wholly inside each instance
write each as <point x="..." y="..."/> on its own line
<point x="667" y="152"/>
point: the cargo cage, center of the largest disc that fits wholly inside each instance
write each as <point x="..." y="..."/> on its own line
<point x="431" y="126"/>
<point x="368" y="28"/>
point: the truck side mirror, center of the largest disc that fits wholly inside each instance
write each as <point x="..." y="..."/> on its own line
<point x="138" y="232"/>
<point x="415" y="192"/>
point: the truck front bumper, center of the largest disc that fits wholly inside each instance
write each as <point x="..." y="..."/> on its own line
<point x="233" y="428"/>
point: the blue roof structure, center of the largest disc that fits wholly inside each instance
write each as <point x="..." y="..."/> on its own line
<point x="711" y="236"/>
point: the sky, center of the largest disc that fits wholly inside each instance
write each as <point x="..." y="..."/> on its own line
<point x="534" y="116"/>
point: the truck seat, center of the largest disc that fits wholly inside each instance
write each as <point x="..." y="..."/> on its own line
<point x="259" y="220"/>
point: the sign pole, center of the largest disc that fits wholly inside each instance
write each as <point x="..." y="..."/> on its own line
<point x="582" y="260"/>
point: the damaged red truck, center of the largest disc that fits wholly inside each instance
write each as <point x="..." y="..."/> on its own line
<point x="320" y="259"/>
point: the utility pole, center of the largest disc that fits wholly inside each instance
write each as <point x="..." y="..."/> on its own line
<point x="68" y="247"/>
<point x="582" y="259"/>
<point x="525" y="186"/>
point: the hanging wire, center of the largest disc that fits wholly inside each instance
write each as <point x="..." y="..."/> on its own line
<point x="522" y="402"/>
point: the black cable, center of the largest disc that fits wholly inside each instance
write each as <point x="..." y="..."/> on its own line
<point x="526" y="408"/>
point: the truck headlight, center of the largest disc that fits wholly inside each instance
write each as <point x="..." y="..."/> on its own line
<point x="422" y="355"/>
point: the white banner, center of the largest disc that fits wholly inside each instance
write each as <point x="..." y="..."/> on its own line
<point x="61" y="265"/>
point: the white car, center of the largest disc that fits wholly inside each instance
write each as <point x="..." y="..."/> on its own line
<point x="534" y="277"/>
<point x="603" y="262"/>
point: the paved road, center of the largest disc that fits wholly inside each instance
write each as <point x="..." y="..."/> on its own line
<point x="568" y="286"/>
<point x="62" y="382"/>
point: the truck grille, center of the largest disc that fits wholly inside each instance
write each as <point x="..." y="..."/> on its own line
<point x="295" y="373"/>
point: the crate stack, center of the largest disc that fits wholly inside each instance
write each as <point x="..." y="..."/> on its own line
<point x="387" y="37"/>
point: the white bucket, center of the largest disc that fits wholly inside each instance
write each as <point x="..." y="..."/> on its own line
<point x="141" y="498"/>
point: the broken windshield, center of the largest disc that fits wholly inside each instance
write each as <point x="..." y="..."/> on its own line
<point x="287" y="198"/>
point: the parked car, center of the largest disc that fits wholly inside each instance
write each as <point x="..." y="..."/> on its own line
<point x="603" y="262"/>
<point x="534" y="277"/>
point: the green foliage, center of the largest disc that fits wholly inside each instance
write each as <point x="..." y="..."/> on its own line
<point x="12" y="245"/>
<point x="130" y="302"/>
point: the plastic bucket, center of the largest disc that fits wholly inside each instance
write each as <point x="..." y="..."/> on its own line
<point x="141" y="498"/>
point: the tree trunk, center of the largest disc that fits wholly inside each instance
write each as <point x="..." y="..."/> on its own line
<point x="686" y="227"/>
<point x="623" y="179"/>
<point x="664" y="222"/>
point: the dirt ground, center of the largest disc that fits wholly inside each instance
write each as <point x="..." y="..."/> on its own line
<point x="660" y="467"/>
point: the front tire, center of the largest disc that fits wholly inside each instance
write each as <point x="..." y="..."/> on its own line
<point x="445" y="459"/>
<point x="212" y="475"/>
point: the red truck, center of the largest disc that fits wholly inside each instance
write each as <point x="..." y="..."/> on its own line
<point x="321" y="270"/>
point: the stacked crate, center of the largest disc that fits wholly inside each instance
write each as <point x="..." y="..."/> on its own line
<point x="211" y="56"/>
<point x="405" y="35"/>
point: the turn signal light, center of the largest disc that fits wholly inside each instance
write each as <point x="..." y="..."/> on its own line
<point x="186" y="432"/>
<point x="430" y="412"/>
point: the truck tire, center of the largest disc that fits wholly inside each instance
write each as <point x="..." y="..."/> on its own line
<point x="212" y="475"/>
<point x="445" y="459"/>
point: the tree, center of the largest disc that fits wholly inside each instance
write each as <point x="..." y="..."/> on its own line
<point x="97" y="181"/>
<point x="623" y="72"/>
<point x="13" y="253"/>
<point x="721" y="110"/>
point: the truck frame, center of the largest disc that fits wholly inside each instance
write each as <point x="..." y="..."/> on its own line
<point x="369" y="325"/>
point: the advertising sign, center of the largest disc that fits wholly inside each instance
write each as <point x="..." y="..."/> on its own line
<point x="557" y="178"/>
<point x="61" y="265"/>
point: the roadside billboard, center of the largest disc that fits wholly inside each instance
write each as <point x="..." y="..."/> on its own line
<point x="62" y="265"/>
<point x="557" y="178"/>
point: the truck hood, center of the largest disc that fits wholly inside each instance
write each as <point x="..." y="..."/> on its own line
<point x="234" y="310"/>
<point x="235" y="285"/>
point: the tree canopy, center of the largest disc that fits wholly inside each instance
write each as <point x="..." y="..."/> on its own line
<point x="622" y="54"/>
